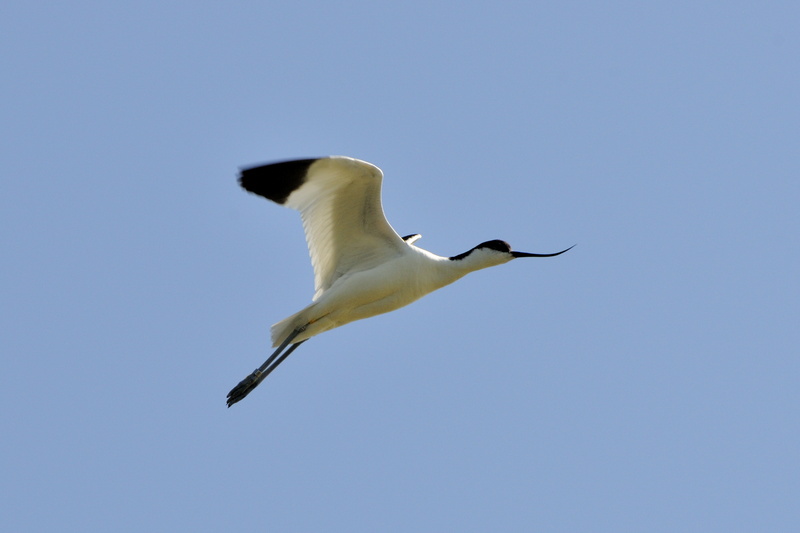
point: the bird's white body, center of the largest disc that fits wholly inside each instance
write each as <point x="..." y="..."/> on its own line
<point x="407" y="276"/>
<point x="362" y="267"/>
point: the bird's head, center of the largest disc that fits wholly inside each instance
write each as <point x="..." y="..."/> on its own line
<point x="495" y="252"/>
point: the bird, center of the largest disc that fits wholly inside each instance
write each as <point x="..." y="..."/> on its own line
<point x="362" y="267"/>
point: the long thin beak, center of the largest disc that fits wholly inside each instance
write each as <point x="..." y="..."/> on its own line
<point x="526" y="254"/>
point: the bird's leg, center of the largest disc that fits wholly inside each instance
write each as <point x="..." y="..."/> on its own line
<point x="279" y="360"/>
<point x="253" y="380"/>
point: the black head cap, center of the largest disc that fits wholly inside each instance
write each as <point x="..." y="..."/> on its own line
<point x="497" y="245"/>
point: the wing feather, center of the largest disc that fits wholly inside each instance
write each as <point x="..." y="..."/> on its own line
<point x="339" y="199"/>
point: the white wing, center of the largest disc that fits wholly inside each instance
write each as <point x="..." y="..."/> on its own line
<point x="339" y="199"/>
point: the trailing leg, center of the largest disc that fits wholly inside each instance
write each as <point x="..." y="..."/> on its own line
<point x="253" y="380"/>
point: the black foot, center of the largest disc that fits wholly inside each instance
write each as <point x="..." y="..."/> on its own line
<point x="244" y="387"/>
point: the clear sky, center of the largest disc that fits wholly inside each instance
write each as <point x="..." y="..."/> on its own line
<point x="648" y="380"/>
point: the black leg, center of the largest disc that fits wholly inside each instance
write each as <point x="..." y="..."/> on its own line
<point x="280" y="360"/>
<point x="253" y="380"/>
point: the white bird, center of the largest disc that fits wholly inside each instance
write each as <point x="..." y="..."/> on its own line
<point x="362" y="267"/>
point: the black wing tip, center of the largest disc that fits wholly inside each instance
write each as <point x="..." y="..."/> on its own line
<point x="275" y="181"/>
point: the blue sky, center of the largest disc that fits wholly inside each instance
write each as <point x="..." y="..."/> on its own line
<point x="645" y="381"/>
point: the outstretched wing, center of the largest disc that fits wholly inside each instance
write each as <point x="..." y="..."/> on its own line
<point x="339" y="199"/>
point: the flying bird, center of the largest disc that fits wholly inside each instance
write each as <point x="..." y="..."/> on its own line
<point x="362" y="267"/>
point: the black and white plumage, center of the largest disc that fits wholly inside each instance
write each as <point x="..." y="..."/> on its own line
<point x="362" y="267"/>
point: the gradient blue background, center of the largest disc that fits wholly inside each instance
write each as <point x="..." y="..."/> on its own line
<point x="645" y="381"/>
